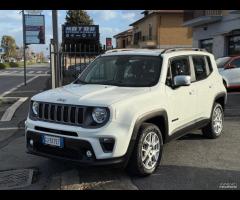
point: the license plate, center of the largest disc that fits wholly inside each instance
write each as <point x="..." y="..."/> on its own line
<point x="52" y="140"/>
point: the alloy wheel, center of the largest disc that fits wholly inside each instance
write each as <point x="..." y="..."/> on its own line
<point x="150" y="150"/>
<point x="217" y="120"/>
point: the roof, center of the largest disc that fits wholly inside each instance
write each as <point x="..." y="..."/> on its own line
<point x="153" y="12"/>
<point x="149" y="52"/>
<point x="127" y="32"/>
<point x="154" y="52"/>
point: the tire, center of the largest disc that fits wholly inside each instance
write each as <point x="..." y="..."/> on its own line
<point x="136" y="165"/>
<point x="210" y="131"/>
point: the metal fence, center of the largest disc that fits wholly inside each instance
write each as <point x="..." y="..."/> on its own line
<point x="75" y="58"/>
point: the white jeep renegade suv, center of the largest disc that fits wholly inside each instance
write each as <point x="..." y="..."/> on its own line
<point x="125" y="105"/>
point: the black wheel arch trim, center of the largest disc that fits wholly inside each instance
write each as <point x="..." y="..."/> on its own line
<point x="137" y="125"/>
<point x="148" y="116"/>
<point x="220" y="95"/>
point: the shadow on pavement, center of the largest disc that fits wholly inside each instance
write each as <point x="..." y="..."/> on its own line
<point x="193" y="136"/>
<point x="170" y="177"/>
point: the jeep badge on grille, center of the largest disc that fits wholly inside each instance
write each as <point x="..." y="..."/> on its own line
<point x="62" y="100"/>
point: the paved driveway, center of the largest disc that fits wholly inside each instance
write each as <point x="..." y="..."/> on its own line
<point x="193" y="162"/>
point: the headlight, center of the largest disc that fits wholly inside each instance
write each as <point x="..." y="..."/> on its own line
<point x="99" y="115"/>
<point x="35" y="107"/>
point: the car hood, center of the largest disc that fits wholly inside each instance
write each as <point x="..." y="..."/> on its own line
<point x="89" y="94"/>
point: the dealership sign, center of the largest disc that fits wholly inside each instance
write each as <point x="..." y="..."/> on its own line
<point x="34" y="29"/>
<point x="80" y="32"/>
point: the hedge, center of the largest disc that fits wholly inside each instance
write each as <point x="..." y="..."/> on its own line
<point x="4" y="65"/>
<point x="14" y="64"/>
<point x="10" y="64"/>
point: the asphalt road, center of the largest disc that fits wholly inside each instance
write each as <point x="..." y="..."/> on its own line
<point x="196" y="163"/>
<point x="233" y="104"/>
<point x="9" y="82"/>
<point x="11" y="77"/>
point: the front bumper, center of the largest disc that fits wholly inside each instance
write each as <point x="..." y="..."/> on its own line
<point x="73" y="151"/>
<point x="76" y="145"/>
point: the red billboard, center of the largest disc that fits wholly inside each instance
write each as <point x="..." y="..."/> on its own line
<point x="108" y="43"/>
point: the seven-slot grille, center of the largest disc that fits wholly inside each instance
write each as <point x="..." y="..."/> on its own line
<point x="68" y="114"/>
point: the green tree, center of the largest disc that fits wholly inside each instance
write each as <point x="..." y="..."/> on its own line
<point x="78" y="17"/>
<point x="9" y="45"/>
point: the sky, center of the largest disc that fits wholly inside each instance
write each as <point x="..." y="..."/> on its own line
<point x="111" y="22"/>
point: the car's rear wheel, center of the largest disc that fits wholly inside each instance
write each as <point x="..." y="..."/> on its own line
<point x="147" y="153"/>
<point x="215" y="127"/>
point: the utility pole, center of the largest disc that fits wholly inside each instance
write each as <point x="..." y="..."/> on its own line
<point x="56" y="48"/>
<point x="24" y="46"/>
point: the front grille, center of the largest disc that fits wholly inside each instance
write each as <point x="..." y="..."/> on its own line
<point x="66" y="114"/>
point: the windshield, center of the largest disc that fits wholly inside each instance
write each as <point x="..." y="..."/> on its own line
<point x="221" y="62"/>
<point x="124" y="70"/>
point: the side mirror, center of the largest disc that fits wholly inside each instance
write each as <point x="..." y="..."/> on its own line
<point x="230" y="66"/>
<point x="182" y="80"/>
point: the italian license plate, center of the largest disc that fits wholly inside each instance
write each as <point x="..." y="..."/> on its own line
<point x="52" y="140"/>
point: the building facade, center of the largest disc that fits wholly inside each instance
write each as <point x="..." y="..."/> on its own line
<point x="124" y="39"/>
<point x="161" y="29"/>
<point x="218" y="31"/>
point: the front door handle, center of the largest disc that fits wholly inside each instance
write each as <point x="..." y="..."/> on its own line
<point x="191" y="92"/>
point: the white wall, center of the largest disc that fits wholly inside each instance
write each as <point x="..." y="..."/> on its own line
<point x="219" y="46"/>
<point x="217" y="31"/>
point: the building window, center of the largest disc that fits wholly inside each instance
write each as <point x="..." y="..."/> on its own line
<point x="150" y="31"/>
<point x="234" y="45"/>
<point x="123" y="44"/>
<point x="207" y="44"/>
<point x="137" y="37"/>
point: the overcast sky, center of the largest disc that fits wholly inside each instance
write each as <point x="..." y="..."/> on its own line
<point x="110" y="23"/>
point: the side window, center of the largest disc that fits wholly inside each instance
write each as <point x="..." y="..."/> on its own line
<point x="209" y="64"/>
<point x="180" y="66"/>
<point x="236" y="62"/>
<point x="199" y="67"/>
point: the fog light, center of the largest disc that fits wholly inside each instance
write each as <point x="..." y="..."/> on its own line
<point x="31" y="142"/>
<point x="107" y="144"/>
<point x="89" y="153"/>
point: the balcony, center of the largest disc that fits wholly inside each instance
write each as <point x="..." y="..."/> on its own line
<point x="200" y="17"/>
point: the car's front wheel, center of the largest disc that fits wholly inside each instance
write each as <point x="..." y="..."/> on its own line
<point x="215" y="126"/>
<point x="148" y="151"/>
